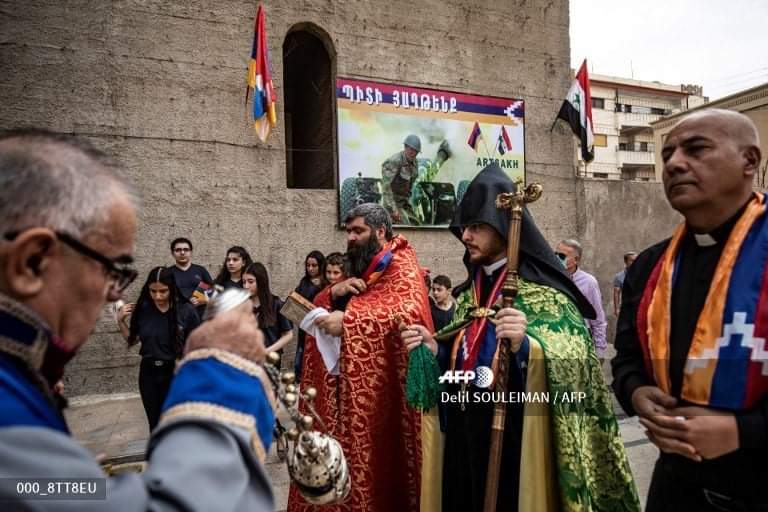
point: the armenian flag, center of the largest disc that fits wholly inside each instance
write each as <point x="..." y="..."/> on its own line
<point x="474" y="136"/>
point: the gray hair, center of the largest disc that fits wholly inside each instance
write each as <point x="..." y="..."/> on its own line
<point x="573" y="244"/>
<point x="374" y="215"/>
<point x="56" y="181"/>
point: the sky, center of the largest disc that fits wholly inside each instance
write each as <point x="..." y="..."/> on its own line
<point x="718" y="44"/>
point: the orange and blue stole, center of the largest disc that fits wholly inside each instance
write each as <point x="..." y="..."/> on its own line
<point x="727" y="363"/>
<point x="377" y="266"/>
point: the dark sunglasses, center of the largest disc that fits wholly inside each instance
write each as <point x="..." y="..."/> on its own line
<point x="561" y="255"/>
<point x="121" y="274"/>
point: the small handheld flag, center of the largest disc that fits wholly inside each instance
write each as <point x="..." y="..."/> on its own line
<point x="260" y="81"/>
<point x="577" y="110"/>
<point x="474" y="136"/>
<point x="503" y="145"/>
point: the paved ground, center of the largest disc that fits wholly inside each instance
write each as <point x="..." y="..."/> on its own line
<point x="115" y="425"/>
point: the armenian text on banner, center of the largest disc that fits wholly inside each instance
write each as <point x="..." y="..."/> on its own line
<point x="415" y="150"/>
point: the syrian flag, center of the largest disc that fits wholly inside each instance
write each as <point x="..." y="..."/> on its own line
<point x="474" y="137"/>
<point x="503" y="145"/>
<point x="577" y="110"/>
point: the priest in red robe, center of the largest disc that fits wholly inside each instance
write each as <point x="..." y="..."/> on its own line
<point x="364" y="406"/>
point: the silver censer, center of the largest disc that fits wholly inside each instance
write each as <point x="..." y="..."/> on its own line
<point x="316" y="462"/>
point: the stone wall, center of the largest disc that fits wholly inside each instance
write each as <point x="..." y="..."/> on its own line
<point x="160" y="84"/>
<point x="615" y="217"/>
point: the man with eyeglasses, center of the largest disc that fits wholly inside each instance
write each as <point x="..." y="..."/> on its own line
<point x="67" y="228"/>
<point x="190" y="278"/>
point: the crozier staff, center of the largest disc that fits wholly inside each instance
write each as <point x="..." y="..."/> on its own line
<point x="551" y="350"/>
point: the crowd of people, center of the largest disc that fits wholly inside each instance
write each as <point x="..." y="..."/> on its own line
<point x="690" y="347"/>
<point x="173" y="299"/>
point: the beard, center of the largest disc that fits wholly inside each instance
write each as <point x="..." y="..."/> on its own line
<point x="360" y="255"/>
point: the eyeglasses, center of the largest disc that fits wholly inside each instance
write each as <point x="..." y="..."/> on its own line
<point x="182" y="249"/>
<point x="120" y="274"/>
<point x="561" y="255"/>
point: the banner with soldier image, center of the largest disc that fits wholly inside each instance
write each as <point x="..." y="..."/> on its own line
<point x="415" y="150"/>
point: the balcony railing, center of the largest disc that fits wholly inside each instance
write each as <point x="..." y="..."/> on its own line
<point x="635" y="158"/>
<point x="642" y="147"/>
<point x="630" y="120"/>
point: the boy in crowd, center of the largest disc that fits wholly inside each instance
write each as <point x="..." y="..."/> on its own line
<point x="443" y="306"/>
<point x="189" y="276"/>
<point x="334" y="268"/>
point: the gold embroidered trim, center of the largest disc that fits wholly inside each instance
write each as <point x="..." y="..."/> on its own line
<point x="218" y="413"/>
<point x="235" y="361"/>
<point x="482" y="312"/>
<point x="33" y="354"/>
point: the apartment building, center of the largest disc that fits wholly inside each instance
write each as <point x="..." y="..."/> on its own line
<point x="752" y="102"/>
<point x="622" y="112"/>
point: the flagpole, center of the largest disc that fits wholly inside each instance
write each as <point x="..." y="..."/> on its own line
<point x="486" y="147"/>
<point x="554" y="123"/>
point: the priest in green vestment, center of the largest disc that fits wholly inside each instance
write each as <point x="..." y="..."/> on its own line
<point x="562" y="449"/>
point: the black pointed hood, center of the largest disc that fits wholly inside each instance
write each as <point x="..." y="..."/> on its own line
<point x="538" y="262"/>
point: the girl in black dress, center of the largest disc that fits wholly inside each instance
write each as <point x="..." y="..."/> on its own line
<point x="161" y="320"/>
<point x="312" y="282"/>
<point x="277" y="329"/>
<point x="231" y="273"/>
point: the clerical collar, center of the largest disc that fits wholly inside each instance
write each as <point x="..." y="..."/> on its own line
<point x="704" y="240"/>
<point x="720" y="234"/>
<point x="493" y="267"/>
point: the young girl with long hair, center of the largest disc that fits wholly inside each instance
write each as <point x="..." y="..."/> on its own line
<point x="309" y="286"/>
<point x="277" y="329"/>
<point x="231" y="273"/>
<point x="161" y="320"/>
<point x="313" y="280"/>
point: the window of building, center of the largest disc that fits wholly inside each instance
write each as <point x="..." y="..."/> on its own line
<point x="643" y="146"/>
<point x="600" y="140"/>
<point x="623" y="146"/>
<point x="308" y="90"/>
<point x="640" y="109"/>
<point x="598" y="103"/>
<point x="658" y="111"/>
<point x="603" y="175"/>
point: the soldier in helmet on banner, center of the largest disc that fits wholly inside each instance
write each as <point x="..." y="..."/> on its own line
<point x="398" y="174"/>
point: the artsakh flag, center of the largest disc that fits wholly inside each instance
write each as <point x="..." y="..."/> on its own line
<point x="260" y="80"/>
<point x="577" y="110"/>
<point x="503" y="145"/>
<point x="474" y="136"/>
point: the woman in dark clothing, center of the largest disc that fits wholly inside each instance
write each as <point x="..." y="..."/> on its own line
<point x="231" y="273"/>
<point x="313" y="280"/>
<point x="309" y="286"/>
<point x="161" y="320"/>
<point x="277" y="329"/>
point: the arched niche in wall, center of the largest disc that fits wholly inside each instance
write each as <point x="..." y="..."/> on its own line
<point x="310" y="119"/>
